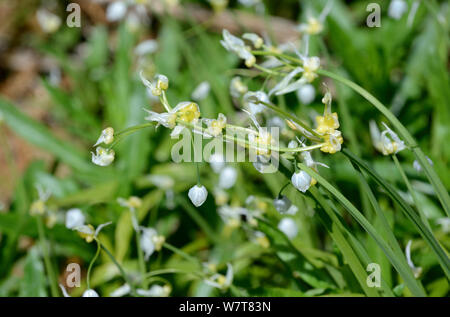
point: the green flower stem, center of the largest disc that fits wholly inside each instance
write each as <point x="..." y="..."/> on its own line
<point x="171" y="271"/>
<point x="141" y="260"/>
<point x="198" y="219"/>
<point x="267" y="70"/>
<point x="47" y="260"/>
<point x="121" y="270"/>
<point x="431" y="174"/>
<point x="293" y="118"/>
<point x="411" y="190"/>
<point x="181" y="253"/>
<point x="91" y="265"/>
<point x="279" y="55"/>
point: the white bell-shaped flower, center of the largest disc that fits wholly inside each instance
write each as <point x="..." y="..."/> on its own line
<point x="48" y="21"/>
<point x="155" y="291"/>
<point x="217" y="162"/>
<point x="227" y="177"/>
<point x="74" y="218"/>
<point x="102" y="156"/>
<point x="253" y="98"/>
<point x="107" y="136"/>
<point x="197" y="194"/>
<point x="116" y="11"/>
<point x="90" y="293"/>
<point x="288" y="227"/>
<point x="397" y="8"/>
<point x="301" y="180"/>
<point x="201" y="91"/>
<point x="123" y="290"/>
<point x="282" y="204"/>
<point x="150" y="241"/>
<point x="306" y="94"/>
<point x="221" y="282"/>
<point x="146" y="47"/>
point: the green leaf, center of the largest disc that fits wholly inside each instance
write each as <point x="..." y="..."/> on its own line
<point x="33" y="283"/>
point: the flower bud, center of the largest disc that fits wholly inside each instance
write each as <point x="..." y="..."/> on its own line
<point x="227" y="177"/>
<point x="282" y="204"/>
<point x="197" y="194"/>
<point x="288" y="227"/>
<point x="301" y="180"/>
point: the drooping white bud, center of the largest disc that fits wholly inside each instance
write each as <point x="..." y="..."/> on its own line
<point x="74" y="218"/>
<point x="146" y="47"/>
<point x="201" y="91"/>
<point x="227" y="177"/>
<point x="301" y="180"/>
<point x="116" y="11"/>
<point x="306" y="94"/>
<point x="288" y="227"/>
<point x="102" y="157"/>
<point x="90" y="293"/>
<point x="197" y="194"/>
<point x="107" y="136"/>
<point x="217" y="162"/>
<point x="282" y="204"/>
<point x="397" y="8"/>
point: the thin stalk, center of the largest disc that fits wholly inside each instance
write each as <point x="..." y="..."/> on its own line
<point x="293" y="118"/>
<point x="181" y="253"/>
<point x="121" y="270"/>
<point x="47" y="261"/>
<point x="411" y="191"/>
<point x="91" y="265"/>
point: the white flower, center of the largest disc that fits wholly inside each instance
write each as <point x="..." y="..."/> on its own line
<point x="186" y="111"/>
<point x="217" y="162"/>
<point x="90" y="293"/>
<point x="221" y="282"/>
<point x="197" y="194"/>
<point x="201" y="91"/>
<point x="106" y="137"/>
<point x="237" y="87"/>
<point x="383" y="143"/>
<point x="312" y="27"/>
<point x="282" y="204"/>
<point x="306" y="94"/>
<point x="227" y="177"/>
<point x="150" y="241"/>
<point x="161" y="181"/>
<point x="146" y="47"/>
<point x="285" y="86"/>
<point x="417" y="165"/>
<point x="49" y="22"/>
<point x="74" y="218"/>
<point x="416" y="270"/>
<point x="157" y="85"/>
<point x="88" y="232"/>
<point x="444" y="223"/>
<point x="301" y="180"/>
<point x="215" y="126"/>
<point x="87" y="293"/>
<point x="103" y="157"/>
<point x="155" y="291"/>
<point x="236" y="45"/>
<point x="253" y="101"/>
<point x="256" y="40"/>
<point x="121" y="291"/>
<point x="288" y="227"/>
<point x="397" y="8"/>
<point x="310" y="67"/>
<point x="116" y="11"/>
